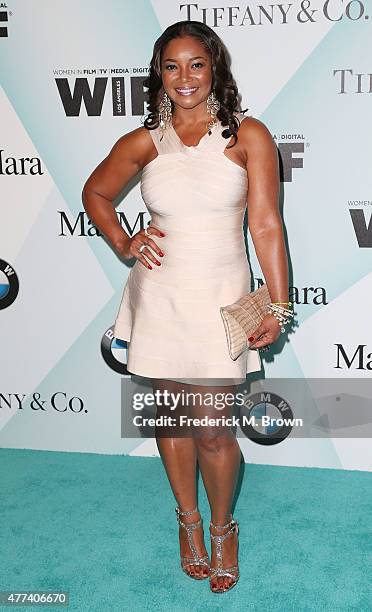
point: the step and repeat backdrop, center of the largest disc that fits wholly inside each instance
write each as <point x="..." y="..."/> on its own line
<point x="71" y="84"/>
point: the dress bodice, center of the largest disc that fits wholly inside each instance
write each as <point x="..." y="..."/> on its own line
<point x="193" y="182"/>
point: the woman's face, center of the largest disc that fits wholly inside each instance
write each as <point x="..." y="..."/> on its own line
<point x="186" y="71"/>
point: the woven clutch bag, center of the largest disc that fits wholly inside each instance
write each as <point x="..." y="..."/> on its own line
<point x="243" y="317"/>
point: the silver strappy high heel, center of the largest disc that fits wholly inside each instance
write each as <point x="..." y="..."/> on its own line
<point x="195" y="560"/>
<point x="230" y="572"/>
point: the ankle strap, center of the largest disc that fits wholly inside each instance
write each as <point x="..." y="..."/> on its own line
<point x="185" y="513"/>
<point x="229" y="524"/>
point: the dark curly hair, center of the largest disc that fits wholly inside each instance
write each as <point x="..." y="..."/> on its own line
<point x="222" y="80"/>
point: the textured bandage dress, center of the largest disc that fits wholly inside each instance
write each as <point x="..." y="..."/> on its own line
<point x="170" y="315"/>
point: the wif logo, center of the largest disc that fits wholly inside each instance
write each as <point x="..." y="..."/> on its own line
<point x="291" y="153"/>
<point x="362" y="231"/>
<point x="3" y="19"/>
<point x="94" y="96"/>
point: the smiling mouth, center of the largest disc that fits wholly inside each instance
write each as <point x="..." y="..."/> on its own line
<point x="186" y="91"/>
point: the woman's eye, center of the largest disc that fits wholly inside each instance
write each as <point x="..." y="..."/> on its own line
<point x="171" y="66"/>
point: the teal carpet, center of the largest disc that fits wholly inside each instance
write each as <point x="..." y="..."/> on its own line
<point x="104" y="529"/>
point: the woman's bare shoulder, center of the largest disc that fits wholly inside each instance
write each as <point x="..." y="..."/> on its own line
<point x="127" y="157"/>
<point x="134" y="145"/>
<point x="254" y="132"/>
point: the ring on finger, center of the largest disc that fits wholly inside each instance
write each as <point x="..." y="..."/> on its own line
<point x="147" y="232"/>
<point x="143" y="246"/>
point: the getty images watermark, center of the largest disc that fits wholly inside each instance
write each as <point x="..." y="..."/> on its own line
<point x="266" y="411"/>
<point x="217" y="401"/>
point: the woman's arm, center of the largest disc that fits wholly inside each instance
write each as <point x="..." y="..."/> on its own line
<point x="126" y="158"/>
<point x="264" y="220"/>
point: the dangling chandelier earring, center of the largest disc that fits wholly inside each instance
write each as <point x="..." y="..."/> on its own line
<point x="213" y="107"/>
<point x="165" y="113"/>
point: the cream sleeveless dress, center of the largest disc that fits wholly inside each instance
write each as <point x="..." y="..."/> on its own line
<point x="170" y="315"/>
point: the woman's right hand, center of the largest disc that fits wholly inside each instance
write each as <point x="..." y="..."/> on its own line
<point x="130" y="247"/>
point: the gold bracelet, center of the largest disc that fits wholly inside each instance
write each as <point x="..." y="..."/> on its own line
<point x="287" y="303"/>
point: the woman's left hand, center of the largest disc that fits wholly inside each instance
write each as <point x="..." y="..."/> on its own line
<point x="266" y="333"/>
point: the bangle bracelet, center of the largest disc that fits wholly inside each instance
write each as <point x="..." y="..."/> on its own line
<point x="287" y="303"/>
<point x="283" y="315"/>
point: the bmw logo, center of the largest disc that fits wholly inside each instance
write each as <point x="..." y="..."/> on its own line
<point x="9" y="284"/>
<point x="266" y="418"/>
<point x="114" y="352"/>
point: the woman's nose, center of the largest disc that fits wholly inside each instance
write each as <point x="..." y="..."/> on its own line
<point x="185" y="74"/>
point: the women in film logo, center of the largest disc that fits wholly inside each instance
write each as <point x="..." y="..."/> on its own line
<point x="9" y="284"/>
<point x="91" y="87"/>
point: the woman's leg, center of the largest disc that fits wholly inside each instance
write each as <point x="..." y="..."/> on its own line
<point x="218" y="454"/>
<point x="179" y="457"/>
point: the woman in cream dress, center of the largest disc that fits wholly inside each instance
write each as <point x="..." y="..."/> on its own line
<point x="199" y="168"/>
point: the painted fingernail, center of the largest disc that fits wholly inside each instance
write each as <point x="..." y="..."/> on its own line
<point x="161" y="254"/>
<point x="158" y="263"/>
<point x="251" y="339"/>
<point x="161" y="234"/>
<point x="150" y="267"/>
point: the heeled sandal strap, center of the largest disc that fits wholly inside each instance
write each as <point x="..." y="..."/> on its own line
<point x="190" y="537"/>
<point x="190" y="526"/>
<point x="220" y="571"/>
<point x="192" y="561"/>
<point x="228" y="571"/>
<point x="186" y="512"/>
<point x="233" y="524"/>
<point x="223" y="526"/>
<point x="218" y="539"/>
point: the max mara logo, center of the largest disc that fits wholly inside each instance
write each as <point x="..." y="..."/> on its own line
<point x="359" y="360"/>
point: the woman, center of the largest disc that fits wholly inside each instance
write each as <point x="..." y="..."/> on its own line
<point x="197" y="156"/>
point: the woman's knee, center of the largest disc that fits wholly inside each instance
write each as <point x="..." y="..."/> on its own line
<point x="214" y="441"/>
